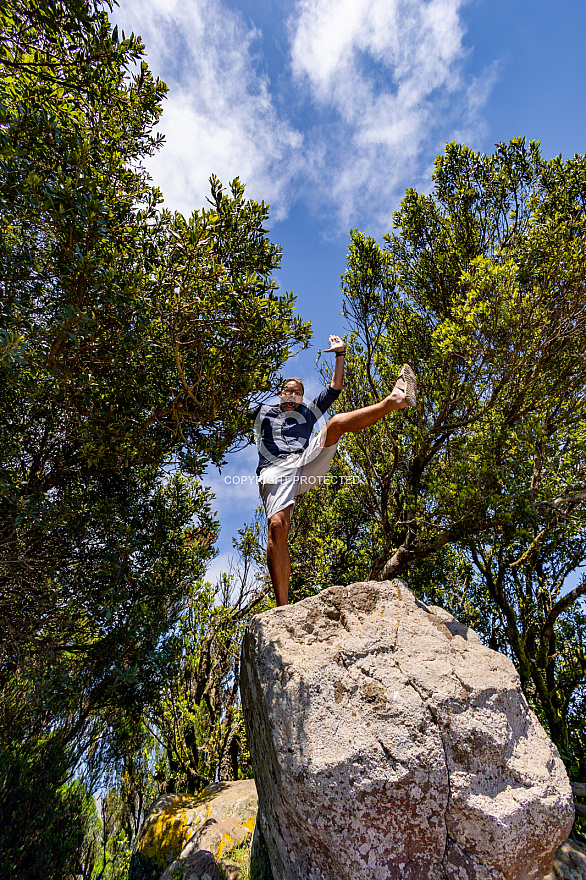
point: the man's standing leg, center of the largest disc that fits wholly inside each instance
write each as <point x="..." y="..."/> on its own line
<point x="278" y="559"/>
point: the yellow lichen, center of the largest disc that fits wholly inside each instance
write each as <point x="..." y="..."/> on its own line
<point x="164" y="839"/>
<point x="171" y="826"/>
<point x="225" y="842"/>
<point x="167" y="833"/>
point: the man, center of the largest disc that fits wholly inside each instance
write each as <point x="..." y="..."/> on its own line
<point x="290" y="463"/>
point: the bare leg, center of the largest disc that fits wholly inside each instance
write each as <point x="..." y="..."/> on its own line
<point x="278" y="559"/>
<point x="357" y="419"/>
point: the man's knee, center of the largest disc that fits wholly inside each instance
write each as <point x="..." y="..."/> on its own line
<point x="333" y="430"/>
<point x="279" y="526"/>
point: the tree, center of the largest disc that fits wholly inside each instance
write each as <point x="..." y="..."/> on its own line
<point x="523" y="610"/>
<point x="132" y="341"/>
<point x="197" y="717"/>
<point x="45" y="821"/>
<point x="133" y="337"/>
<point x="483" y="292"/>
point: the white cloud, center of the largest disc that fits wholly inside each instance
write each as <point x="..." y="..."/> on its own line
<point x="416" y="44"/>
<point x="389" y="77"/>
<point x="219" y="116"/>
<point x="369" y="95"/>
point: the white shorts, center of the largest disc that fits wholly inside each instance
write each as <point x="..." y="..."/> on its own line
<point x="285" y="478"/>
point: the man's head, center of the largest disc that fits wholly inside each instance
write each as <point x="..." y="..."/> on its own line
<point x="292" y="393"/>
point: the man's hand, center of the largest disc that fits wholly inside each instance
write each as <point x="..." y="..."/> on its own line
<point x="336" y="345"/>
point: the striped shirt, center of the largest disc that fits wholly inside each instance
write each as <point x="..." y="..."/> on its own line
<point x="280" y="433"/>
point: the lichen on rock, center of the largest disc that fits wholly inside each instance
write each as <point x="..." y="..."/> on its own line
<point x="179" y="826"/>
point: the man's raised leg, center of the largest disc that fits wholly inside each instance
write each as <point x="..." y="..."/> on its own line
<point x="278" y="559"/>
<point x="358" y="419"/>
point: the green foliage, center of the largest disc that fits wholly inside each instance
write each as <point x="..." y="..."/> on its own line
<point x="481" y="290"/>
<point x="197" y="716"/>
<point x="132" y="340"/>
<point x="44" y="822"/>
<point x="96" y="627"/>
<point x="239" y="854"/>
<point x="132" y="335"/>
<point x="522" y="609"/>
<point x="128" y="788"/>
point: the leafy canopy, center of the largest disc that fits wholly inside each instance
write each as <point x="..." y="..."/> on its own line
<point x="132" y="341"/>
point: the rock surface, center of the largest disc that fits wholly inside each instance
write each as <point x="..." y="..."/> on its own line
<point x="178" y="827"/>
<point x="569" y="862"/>
<point x="199" y="865"/>
<point x="389" y="743"/>
<point x="216" y="837"/>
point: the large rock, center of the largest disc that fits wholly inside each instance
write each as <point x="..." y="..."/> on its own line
<point x="215" y="839"/>
<point x="179" y="826"/>
<point x="388" y="742"/>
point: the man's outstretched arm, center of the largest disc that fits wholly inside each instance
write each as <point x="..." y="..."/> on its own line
<point x="339" y="347"/>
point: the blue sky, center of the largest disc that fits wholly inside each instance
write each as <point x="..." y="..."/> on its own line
<point x="330" y="109"/>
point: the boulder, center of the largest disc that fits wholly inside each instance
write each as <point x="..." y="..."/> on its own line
<point x="388" y="742"/>
<point x="199" y="865"/>
<point x="178" y="826"/>
<point x="216" y="837"/>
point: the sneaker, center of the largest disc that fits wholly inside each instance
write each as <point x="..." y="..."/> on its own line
<point x="410" y="383"/>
